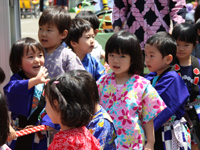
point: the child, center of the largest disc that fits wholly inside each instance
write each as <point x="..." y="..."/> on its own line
<point x="2" y="75"/>
<point x="196" y="50"/>
<point x="54" y="25"/>
<point x="81" y="41"/>
<point x="4" y="123"/>
<point x="160" y="49"/>
<point x="70" y="103"/>
<point x="187" y="66"/>
<point x="23" y="92"/>
<point x="97" y="51"/>
<point x="129" y="98"/>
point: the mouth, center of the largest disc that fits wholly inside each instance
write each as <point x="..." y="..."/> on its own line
<point x="36" y="67"/>
<point x="44" y="40"/>
<point x="116" y="67"/>
<point x="148" y="66"/>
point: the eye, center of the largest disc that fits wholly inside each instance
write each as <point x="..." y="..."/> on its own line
<point x="49" y="30"/>
<point x="41" y="55"/>
<point x="111" y="55"/>
<point x="40" y="28"/>
<point x="122" y="56"/>
<point x="30" y="56"/>
<point x="151" y="55"/>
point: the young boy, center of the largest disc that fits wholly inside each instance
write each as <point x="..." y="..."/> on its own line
<point x="97" y="51"/>
<point x="81" y="41"/>
<point x="160" y="49"/>
<point x="54" y="25"/>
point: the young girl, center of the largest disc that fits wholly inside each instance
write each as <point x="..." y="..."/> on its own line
<point x="24" y="90"/>
<point x="129" y="98"/>
<point x="187" y="66"/>
<point x="70" y="103"/>
<point x="4" y="123"/>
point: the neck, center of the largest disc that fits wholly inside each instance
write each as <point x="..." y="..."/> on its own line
<point x="79" y="54"/>
<point x="97" y="108"/>
<point x="161" y="71"/>
<point x="122" y="78"/>
<point x="185" y="61"/>
<point x="63" y="127"/>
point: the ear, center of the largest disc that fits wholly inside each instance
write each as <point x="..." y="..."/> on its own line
<point x="95" y="32"/>
<point x="169" y="59"/>
<point x="73" y="44"/>
<point x="198" y="32"/>
<point x="64" y="34"/>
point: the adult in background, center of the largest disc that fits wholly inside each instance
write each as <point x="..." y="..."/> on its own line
<point x="144" y="18"/>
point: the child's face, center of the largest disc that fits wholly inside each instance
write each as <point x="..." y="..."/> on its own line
<point x="154" y="59"/>
<point x="49" y="37"/>
<point x="32" y="62"/>
<point x="184" y="50"/>
<point x="86" y="43"/>
<point x="53" y="114"/>
<point x="119" y="63"/>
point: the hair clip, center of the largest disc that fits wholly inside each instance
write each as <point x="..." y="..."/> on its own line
<point x="55" y="82"/>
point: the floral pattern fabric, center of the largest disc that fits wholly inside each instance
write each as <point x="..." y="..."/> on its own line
<point x="74" y="139"/>
<point x="131" y="107"/>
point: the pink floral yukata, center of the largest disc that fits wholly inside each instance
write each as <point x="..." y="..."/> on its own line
<point x="136" y="103"/>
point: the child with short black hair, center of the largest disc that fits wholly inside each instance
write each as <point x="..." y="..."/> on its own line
<point x="24" y="93"/>
<point x="70" y="103"/>
<point x="4" y="123"/>
<point x="97" y="51"/>
<point x="187" y="66"/>
<point x="54" y="25"/>
<point x="129" y="99"/>
<point x="160" y="50"/>
<point x="81" y="41"/>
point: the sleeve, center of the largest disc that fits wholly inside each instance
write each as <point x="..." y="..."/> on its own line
<point x="100" y="70"/>
<point x="174" y="92"/>
<point x="177" y="11"/>
<point x="73" y="62"/>
<point x="151" y="104"/>
<point x="103" y="130"/>
<point x="18" y="96"/>
<point x="119" y="12"/>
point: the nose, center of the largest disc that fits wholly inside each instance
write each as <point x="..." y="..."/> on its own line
<point x="180" y="47"/>
<point x="115" y="60"/>
<point x="36" y="59"/>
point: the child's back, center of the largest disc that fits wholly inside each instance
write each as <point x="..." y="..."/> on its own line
<point x="54" y="25"/>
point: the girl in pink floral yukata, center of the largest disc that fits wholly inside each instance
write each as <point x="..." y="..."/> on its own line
<point x="129" y="98"/>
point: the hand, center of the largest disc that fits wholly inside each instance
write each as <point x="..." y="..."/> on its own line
<point x="116" y="29"/>
<point x="149" y="146"/>
<point x="12" y="134"/>
<point x="42" y="74"/>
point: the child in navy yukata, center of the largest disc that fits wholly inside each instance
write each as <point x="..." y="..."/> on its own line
<point x="97" y="51"/>
<point x="81" y="41"/>
<point x="160" y="49"/>
<point x="70" y="103"/>
<point x="54" y="25"/>
<point x="23" y="93"/>
<point x="187" y="66"/>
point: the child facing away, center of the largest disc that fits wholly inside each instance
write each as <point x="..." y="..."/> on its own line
<point x="187" y="66"/>
<point x="196" y="50"/>
<point x="97" y="51"/>
<point x="81" y="41"/>
<point x="70" y="103"/>
<point x="24" y="90"/>
<point x="160" y="49"/>
<point x="4" y="123"/>
<point x="130" y="99"/>
<point x="54" y="25"/>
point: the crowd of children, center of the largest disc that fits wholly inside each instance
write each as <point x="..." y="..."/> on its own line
<point x="60" y="82"/>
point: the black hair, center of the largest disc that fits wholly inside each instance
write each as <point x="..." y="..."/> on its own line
<point x="78" y="26"/>
<point x="2" y="75"/>
<point x="89" y="16"/>
<point x="124" y="42"/>
<point x="57" y="16"/>
<point x="4" y="120"/>
<point x="185" y="32"/>
<point x="164" y="42"/>
<point x="18" y="51"/>
<point x="197" y="13"/>
<point x="197" y="27"/>
<point x="77" y="94"/>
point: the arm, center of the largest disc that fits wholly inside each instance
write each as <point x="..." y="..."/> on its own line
<point x="177" y="11"/>
<point x="149" y="130"/>
<point x="119" y="14"/>
<point x="100" y="70"/>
